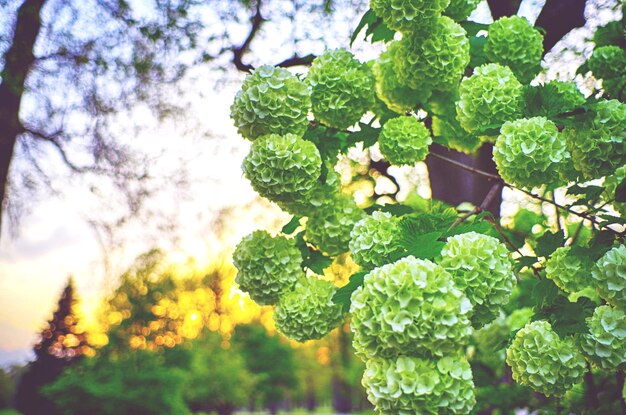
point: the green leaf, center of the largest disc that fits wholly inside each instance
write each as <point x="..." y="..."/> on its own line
<point x="367" y="135"/>
<point x="425" y="246"/>
<point x="591" y="193"/>
<point x="610" y="219"/>
<point x="620" y="192"/>
<point x="472" y="28"/>
<point x="376" y="28"/>
<point x="548" y="101"/>
<point x="312" y="258"/>
<point x="292" y="225"/>
<point x="567" y="318"/>
<point x="478" y="56"/>
<point x="393" y="209"/>
<point x="343" y="296"/>
<point x="549" y="242"/>
<point x="525" y="261"/>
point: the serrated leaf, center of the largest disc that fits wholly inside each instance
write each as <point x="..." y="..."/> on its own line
<point x="602" y="239"/>
<point x="472" y="28"/>
<point x="549" y="242"/>
<point x="292" y="225"/>
<point x="343" y="295"/>
<point x="567" y="318"/>
<point x="375" y="28"/>
<point x="312" y="258"/>
<point x="591" y="193"/>
<point x="393" y="209"/>
<point x="424" y="246"/>
<point x="367" y="135"/>
<point x="610" y="219"/>
<point x="525" y="261"/>
<point x="620" y="192"/>
<point x="368" y="19"/>
<point x="478" y="56"/>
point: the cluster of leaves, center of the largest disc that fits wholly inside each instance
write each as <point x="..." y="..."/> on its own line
<point x="430" y="277"/>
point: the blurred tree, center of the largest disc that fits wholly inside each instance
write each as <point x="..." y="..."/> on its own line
<point x="133" y="383"/>
<point x="62" y="344"/>
<point x="68" y="69"/>
<point x="270" y="360"/>
<point x="7" y="388"/>
<point x="217" y="378"/>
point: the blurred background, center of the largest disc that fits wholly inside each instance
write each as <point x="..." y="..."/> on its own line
<point x="125" y="200"/>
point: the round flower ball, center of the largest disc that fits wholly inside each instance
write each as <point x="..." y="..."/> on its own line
<point x="329" y="228"/>
<point x="491" y="96"/>
<point x="608" y="62"/>
<point x="543" y="361"/>
<point x="308" y="311"/>
<point x="610" y="187"/>
<point x="408" y="15"/>
<point x="408" y="385"/>
<point x="372" y="240"/>
<point x="398" y="96"/>
<point x="321" y="195"/>
<point x="282" y="168"/>
<point x="271" y="101"/>
<point x="598" y="146"/>
<point x="267" y="266"/>
<point x="342" y="88"/>
<point x="480" y="266"/>
<point x="528" y="152"/>
<point x="436" y="59"/>
<point x="605" y="344"/>
<point x="513" y="42"/>
<point x="404" y="141"/>
<point x="609" y="276"/>
<point x="569" y="272"/>
<point x="460" y="10"/>
<point x="409" y="307"/>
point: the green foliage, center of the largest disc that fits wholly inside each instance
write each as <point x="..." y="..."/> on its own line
<point x="406" y="385"/>
<point x="410" y="307"/>
<point x="343" y="296"/>
<point x="611" y="185"/>
<point x="267" y="266"/>
<point x="135" y="383"/>
<point x="446" y="128"/>
<point x="605" y="343"/>
<point x="543" y="361"/>
<point x="372" y="240"/>
<point x="490" y="97"/>
<point x="570" y="272"/>
<point x="529" y="152"/>
<point x="342" y="88"/>
<point x="480" y="266"/>
<point x="311" y="319"/>
<point x="434" y="61"/>
<point x="552" y="98"/>
<point x="282" y="168"/>
<point x="271" y="101"/>
<point x="376" y="30"/>
<point x="608" y="62"/>
<point x="513" y="42"/>
<point x="609" y="276"/>
<point x="409" y="16"/>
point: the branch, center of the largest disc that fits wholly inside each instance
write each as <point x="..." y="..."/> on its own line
<point x="239" y="52"/>
<point x="54" y="140"/>
<point x="297" y="60"/>
<point x="558" y="18"/>
<point x="497" y="179"/>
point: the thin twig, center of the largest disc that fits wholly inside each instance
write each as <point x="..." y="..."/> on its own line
<point x="557" y="212"/>
<point x="493" y="192"/>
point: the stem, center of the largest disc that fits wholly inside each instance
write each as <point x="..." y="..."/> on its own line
<point x="496" y="178"/>
<point x="493" y="192"/>
<point x="557" y="212"/>
<point x="577" y="232"/>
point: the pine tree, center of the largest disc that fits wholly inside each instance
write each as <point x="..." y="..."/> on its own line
<point x="62" y="343"/>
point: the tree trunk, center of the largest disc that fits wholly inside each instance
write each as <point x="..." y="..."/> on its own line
<point x="18" y="60"/>
<point x="558" y="18"/>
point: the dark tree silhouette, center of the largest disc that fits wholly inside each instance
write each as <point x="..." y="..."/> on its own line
<point x="62" y="344"/>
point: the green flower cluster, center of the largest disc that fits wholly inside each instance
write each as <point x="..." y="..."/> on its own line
<point x="460" y="10"/>
<point x="271" y="101"/>
<point x="308" y="312"/>
<point x="396" y="95"/>
<point x="320" y="196"/>
<point x="437" y="59"/>
<point x="282" y="168"/>
<point x="610" y="276"/>
<point x="605" y="344"/>
<point x="409" y="385"/>
<point x="372" y="240"/>
<point x="528" y="152"/>
<point x="608" y="62"/>
<point x="543" y="361"/>
<point x="598" y="146"/>
<point x="408" y="15"/>
<point x="267" y="267"/>
<point x="342" y="88"/>
<point x="569" y="272"/>
<point x="404" y="141"/>
<point x="610" y="186"/>
<point x="491" y="96"/>
<point x="329" y="228"/>
<point x="480" y="266"/>
<point x="513" y="42"/>
<point x="409" y="307"/>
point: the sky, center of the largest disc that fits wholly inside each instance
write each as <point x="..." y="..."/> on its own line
<point x="55" y="241"/>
